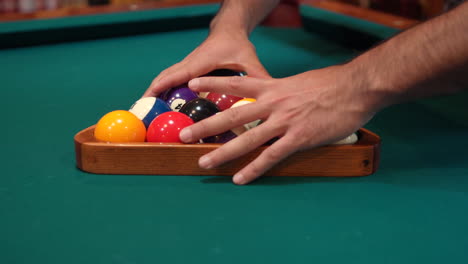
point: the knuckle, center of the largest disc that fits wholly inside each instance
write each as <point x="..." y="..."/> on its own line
<point x="276" y="127"/>
<point x="187" y="75"/>
<point x="304" y="137"/>
<point x="233" y="116"/>
<point x="163" y="73"/>
<point x="272" y="154"/>
<point x="252" y="138"/>
<point x="270" y="82"/>
<point x="168" y="70"/>
<point x="235" y="82"/>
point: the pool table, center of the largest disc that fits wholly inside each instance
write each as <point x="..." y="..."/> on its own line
<point x="58" y="76"/>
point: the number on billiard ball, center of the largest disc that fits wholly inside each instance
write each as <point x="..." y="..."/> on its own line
<point x="178" y="96"/>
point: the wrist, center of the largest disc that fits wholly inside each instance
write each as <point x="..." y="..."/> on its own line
<point x="371" y="85"/>
<point x="233" y="26"/>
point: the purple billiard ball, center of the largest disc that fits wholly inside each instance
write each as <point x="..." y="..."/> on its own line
<point x="179" y="96"/>
<point x="221" y="138"/>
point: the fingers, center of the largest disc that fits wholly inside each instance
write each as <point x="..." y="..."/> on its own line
<point x="275" y="153"/>
<point x="177" y="74"/>
<point x="154" y="89"/>
<point x="241" y="145"/>
<point x="228" y="119"/>
<point x="257" y="70"/>
<point x="238" y="86"/>
<point x="183" y="72"/>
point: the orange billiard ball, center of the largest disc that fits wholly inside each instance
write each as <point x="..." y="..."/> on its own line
<point x="120" y="126"/>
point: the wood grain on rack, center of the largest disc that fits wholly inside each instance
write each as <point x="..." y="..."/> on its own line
<point x="360" y="159"/>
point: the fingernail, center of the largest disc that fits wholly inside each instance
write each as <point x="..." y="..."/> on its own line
<point x="186" y="135"/>
<point x="239" y="179"/>
<point x="193" y="84"/>
<point x="205" y="162"/>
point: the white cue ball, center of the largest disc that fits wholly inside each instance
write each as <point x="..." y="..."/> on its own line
<point x="351" y="139"/>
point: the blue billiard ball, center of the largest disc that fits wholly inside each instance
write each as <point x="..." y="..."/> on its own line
<point x="148" y="108"/>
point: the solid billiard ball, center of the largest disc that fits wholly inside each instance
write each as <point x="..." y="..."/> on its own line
<point x="120" y="126"/>
<point x="221" y="73"/>
<point x="179" y="96"/>
<point x="221" y="138"/>
<point x="167" y="126"/>
<point x="225" y="73"/>
<point x="223" y="101"/>
<point x="199" y="109"/>
<point x="224" y="137"/>
<point x="148" y="108"/>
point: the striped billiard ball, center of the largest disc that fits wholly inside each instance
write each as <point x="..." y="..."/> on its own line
<point x="148" y="108"/>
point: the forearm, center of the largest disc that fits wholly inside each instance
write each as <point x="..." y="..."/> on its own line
<point x="241" y="15"/>
<point x="429" y="59"/>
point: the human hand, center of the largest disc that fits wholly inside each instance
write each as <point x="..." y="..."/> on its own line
<point x="221" y="50"/>
<point x="305" y="111"/>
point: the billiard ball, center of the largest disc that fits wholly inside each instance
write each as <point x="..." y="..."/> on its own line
<point x="167" y="126"/>
<point x="147" y="108"/>
<point x="244" y="101"/>
<point x="224" y="137"/>
<point x="351" y="139"/>
<point x="179" y="96"/>
<point x="120" y="126"/>
<point x="203" y="94"/>
<point x="221" y="138"/>
<point x="199" y="109"/>
<point x="221" y="73"/>
<point x="223" y="101"/>
<point x="251" y="124"/>
<point x="225" y="72"/>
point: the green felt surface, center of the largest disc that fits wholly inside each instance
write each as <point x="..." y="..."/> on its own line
<point x="337" y="19"/>
<point x="413" y="210"/>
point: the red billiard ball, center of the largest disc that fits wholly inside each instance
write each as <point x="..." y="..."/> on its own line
<point x="167" y="126"/>
<point x="223" y="101"/>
